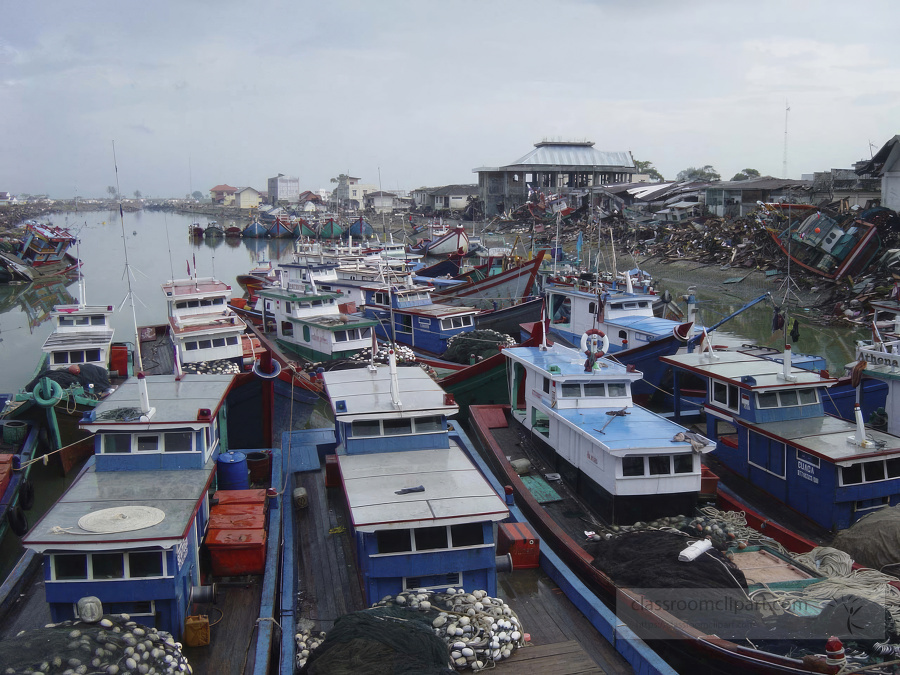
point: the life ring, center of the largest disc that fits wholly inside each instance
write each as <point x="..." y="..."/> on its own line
<point x="18" y="523"/>
<point x="585" y="338"/>
<point x="276" y="370"/>
<point x="26" y="495"/>
<point x="47" y="393"/>
<point x="856" y="373"/>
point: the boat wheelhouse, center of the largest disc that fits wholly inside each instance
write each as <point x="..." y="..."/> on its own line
<point x="770" y="428"/>
<point x="312" y="324"/>
<point x="82" y="335"/>
<point x="128" y="530"/>
<point x="201" y="324"/>
<point x="407" y="315"/>
<point x="630" y="463"/>
<point x="423" y="515"/>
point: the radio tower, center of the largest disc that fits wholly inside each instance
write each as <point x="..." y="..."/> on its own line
<point x="787" y="109"/>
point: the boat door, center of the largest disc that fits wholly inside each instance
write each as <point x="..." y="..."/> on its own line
<point x="517" y="395"/>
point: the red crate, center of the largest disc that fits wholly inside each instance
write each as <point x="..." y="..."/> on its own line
<point x="241" y="496"/>
<point x="236" y="521"/>
<point x="239" y="509"/>
<point x="520" y="542"/>
<point x="237" y="552"/>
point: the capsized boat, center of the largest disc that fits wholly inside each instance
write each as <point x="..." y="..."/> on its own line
<point x="43" y="251"/>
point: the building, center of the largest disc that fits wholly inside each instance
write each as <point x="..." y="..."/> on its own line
<point x="452" y="197"/>
<point x="886" y="165"/>
<point x="739" y="197"/>
<point x="350" y="193"/>
<point x="222" y="194"/>
<point x="380" y="202"/>
<point x="247" y="198"/>
<point x="7" y="198"/>
<point x="567" y="168"/>
<point x="845" y="186"/>
<point x="284" y="189"/>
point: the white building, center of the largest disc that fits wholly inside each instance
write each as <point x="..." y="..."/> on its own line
<point x="284" y="189"/>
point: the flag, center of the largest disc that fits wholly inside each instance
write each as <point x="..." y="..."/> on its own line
<point x="777" y="320"/>
<point x="795" y="332"/>
<point x="188" y="266"/>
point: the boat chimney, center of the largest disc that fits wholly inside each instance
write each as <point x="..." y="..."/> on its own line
<point x="859" y="439"/>
<point x="395" y="382"/>
<point x="179" y="372"/>
<point x="629" y="287"/>
<point x="786" y="366"/>
<point x="706" y="349"/>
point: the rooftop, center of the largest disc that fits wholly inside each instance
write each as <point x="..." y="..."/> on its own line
<point x="369" y="394"/>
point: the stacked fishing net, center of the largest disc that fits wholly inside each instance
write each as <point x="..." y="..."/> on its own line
<point x="218" y="367"/>
<point x="480" y="344"/>
<point x="115" y="645"/>
<point x="415" y="632"/>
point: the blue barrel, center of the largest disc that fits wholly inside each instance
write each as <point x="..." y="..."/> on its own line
<point x="233" y="472"/>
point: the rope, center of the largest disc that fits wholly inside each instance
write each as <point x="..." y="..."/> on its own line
<point x="737" y="520"/>
<point x="43" y="458"/>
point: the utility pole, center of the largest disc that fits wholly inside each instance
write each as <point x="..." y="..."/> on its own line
<point x="787" y="109"/>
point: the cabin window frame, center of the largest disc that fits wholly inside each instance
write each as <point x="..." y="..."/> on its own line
<point x="162" y="442"/>
<point x="780" y="397"/>
<point x="415" y="428"/>
<point x="419" y="542"/>
<point x="89" y="566"/>
<point x="731" y="394"/>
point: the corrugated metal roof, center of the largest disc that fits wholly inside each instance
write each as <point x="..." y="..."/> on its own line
<point x="573" y="154"/>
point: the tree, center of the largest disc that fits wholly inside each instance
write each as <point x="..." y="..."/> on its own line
<point x="137" y="194"/>
<point x="197" y="195"/>
<point x="648" y="168"/>
<point x="113" y="193"/>
<point x="746" y="174"/>
<point x="704" y="174"/>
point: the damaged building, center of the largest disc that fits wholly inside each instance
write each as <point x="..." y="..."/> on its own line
<point x="570" y="169"/>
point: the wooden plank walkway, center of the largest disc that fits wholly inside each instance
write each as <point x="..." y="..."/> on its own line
<point x="560" y="658"/>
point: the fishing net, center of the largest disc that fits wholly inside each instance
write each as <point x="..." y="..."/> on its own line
<point x="477" y="344"/>
<point x="89" y="374"/>
<point x="381" y="640"/>
<point x="113" y="645"/>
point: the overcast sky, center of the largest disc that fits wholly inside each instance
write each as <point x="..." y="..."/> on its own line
<point x="200" y="93"/>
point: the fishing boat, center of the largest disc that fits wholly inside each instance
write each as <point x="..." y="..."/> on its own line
<point x="446" y="242"/>
<point x="829" y="245"/>
<point x="264" y="274"/>
<point x="770" y="429"/>
<point x="18" y="447"/>
<point x="405" y="314"/>
<point x="233" y="232"/>
<point x="582" y="462"/>
<point x="494" y="285"/>
<point x="213" y="230"/>
<point x="282" y="228"/>
<point x="79" y="365"/>
<point x="43" y="251"/>
<point x="255" y="230"/>
<point x="330" y="229"/>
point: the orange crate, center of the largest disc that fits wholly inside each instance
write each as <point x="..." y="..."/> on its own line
<point x="237" y="552"/>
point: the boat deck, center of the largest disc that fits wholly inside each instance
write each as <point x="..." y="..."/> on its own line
<point x="157" y="350"/>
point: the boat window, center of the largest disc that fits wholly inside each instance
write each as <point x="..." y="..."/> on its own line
<point x="616" y="388"/>
<point x="366" y="333"/>
<point x="768" y="399"/>
<point x="467" y="320"/>
<point x="546" y="385"/>
<point x="143" y="564"/>
<point x="365" y="428"/>
<point x="82" y="321"/>
<point x="232" y="340"/>
<point x="571" y="390"/>
<point x="76" y="357"/>
<point x="893" y="468"/>
<point x="178" y="441"/>
<point x="394" y="427"/>
<point x="190" y="346"/>
<point x="466" y="534"/>
<point x="429" y="538"/>
<point x="287" y="329"/>
<point x="659" y="465"/>
<point x="808" y="458"/>
<point x="457" y="322"/>
<point x="431" y="423"/>
<point x="632" y="466"/>
<point x="683" y="463"/>
<point x="98" y="320"/>
<point x="180" y="305"/>
<point x="446" y="324"/>
<point x="788" y="398"/>
<point x="592" y="308"/>
<point x="393" y="541"/>
<point x="405" y="324"/>
<point x="623" y="335"/>
<point x="60" y="357"/>
<point x="66" y="321"/>
<point x="148" y="443"/>
<point x="218" y="342"/>
<point x="808" y="396"/>
<point x="218" y="301"/>
<point x="316" y="303"/>
<point x="108" y="565"/>
<point x="92" y="356"/>
<point x="193" y="303"/>
<point x="288" y="307"/>
<point x="873" y="470"/>
<point x="204" y="344"/>
<point x="339" y="336"/>
<point x="70" y="566"/>
<point x="643" y="304"/>
<point x="870" y="504"/>
<point x="851" y="475"/>
<point x="206" y="303"/>
<point x="116" y="443"/>
<point x="595" y="389"/>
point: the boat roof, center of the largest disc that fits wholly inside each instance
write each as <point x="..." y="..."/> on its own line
<point x="334" y="322"/>
<point x="279" y="293"/>
<point x="568" y="364"/>
<point x="746" y="370"/>
<point x="180" y="288"/>
<point x="454" y="490"/>
<point x="64" y="310"/>
<point x="81" y="338"/>
<point x="646" y="324"/>
<point x="827" y="437"/>
<point x="175" y="493"/>
<point x="365" y="393"/>
<point x="177" y="401"/>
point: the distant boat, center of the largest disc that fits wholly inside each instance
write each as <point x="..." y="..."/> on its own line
<point x="282" y="228"/>
<point x="233" y="232"/>
<point x="255" y="230"/>
<point x="213" y="230"/>
<point x="330" y="229"/>
<point x="196" y="230"/>
<point x="453" y="241"/>
<point x="41" y="252"/>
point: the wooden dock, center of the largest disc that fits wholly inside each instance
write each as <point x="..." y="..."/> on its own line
<point x="560" y="658"/>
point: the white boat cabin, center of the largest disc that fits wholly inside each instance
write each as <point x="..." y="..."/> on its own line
<point x="82" y="335"/>
<point x="202" y="325"/>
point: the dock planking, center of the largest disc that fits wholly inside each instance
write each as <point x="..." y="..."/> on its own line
<point x="559" y="658"/>
<point x="230" y="652"/>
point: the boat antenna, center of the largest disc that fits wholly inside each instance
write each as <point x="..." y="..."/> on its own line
<point x="381" y="196"/>
<point x="169" y="244"/>
<point x="146" y="410"/>
<point x="82" y="300"/>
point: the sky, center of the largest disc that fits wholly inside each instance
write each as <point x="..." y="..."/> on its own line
<point x="189" y="94"/>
